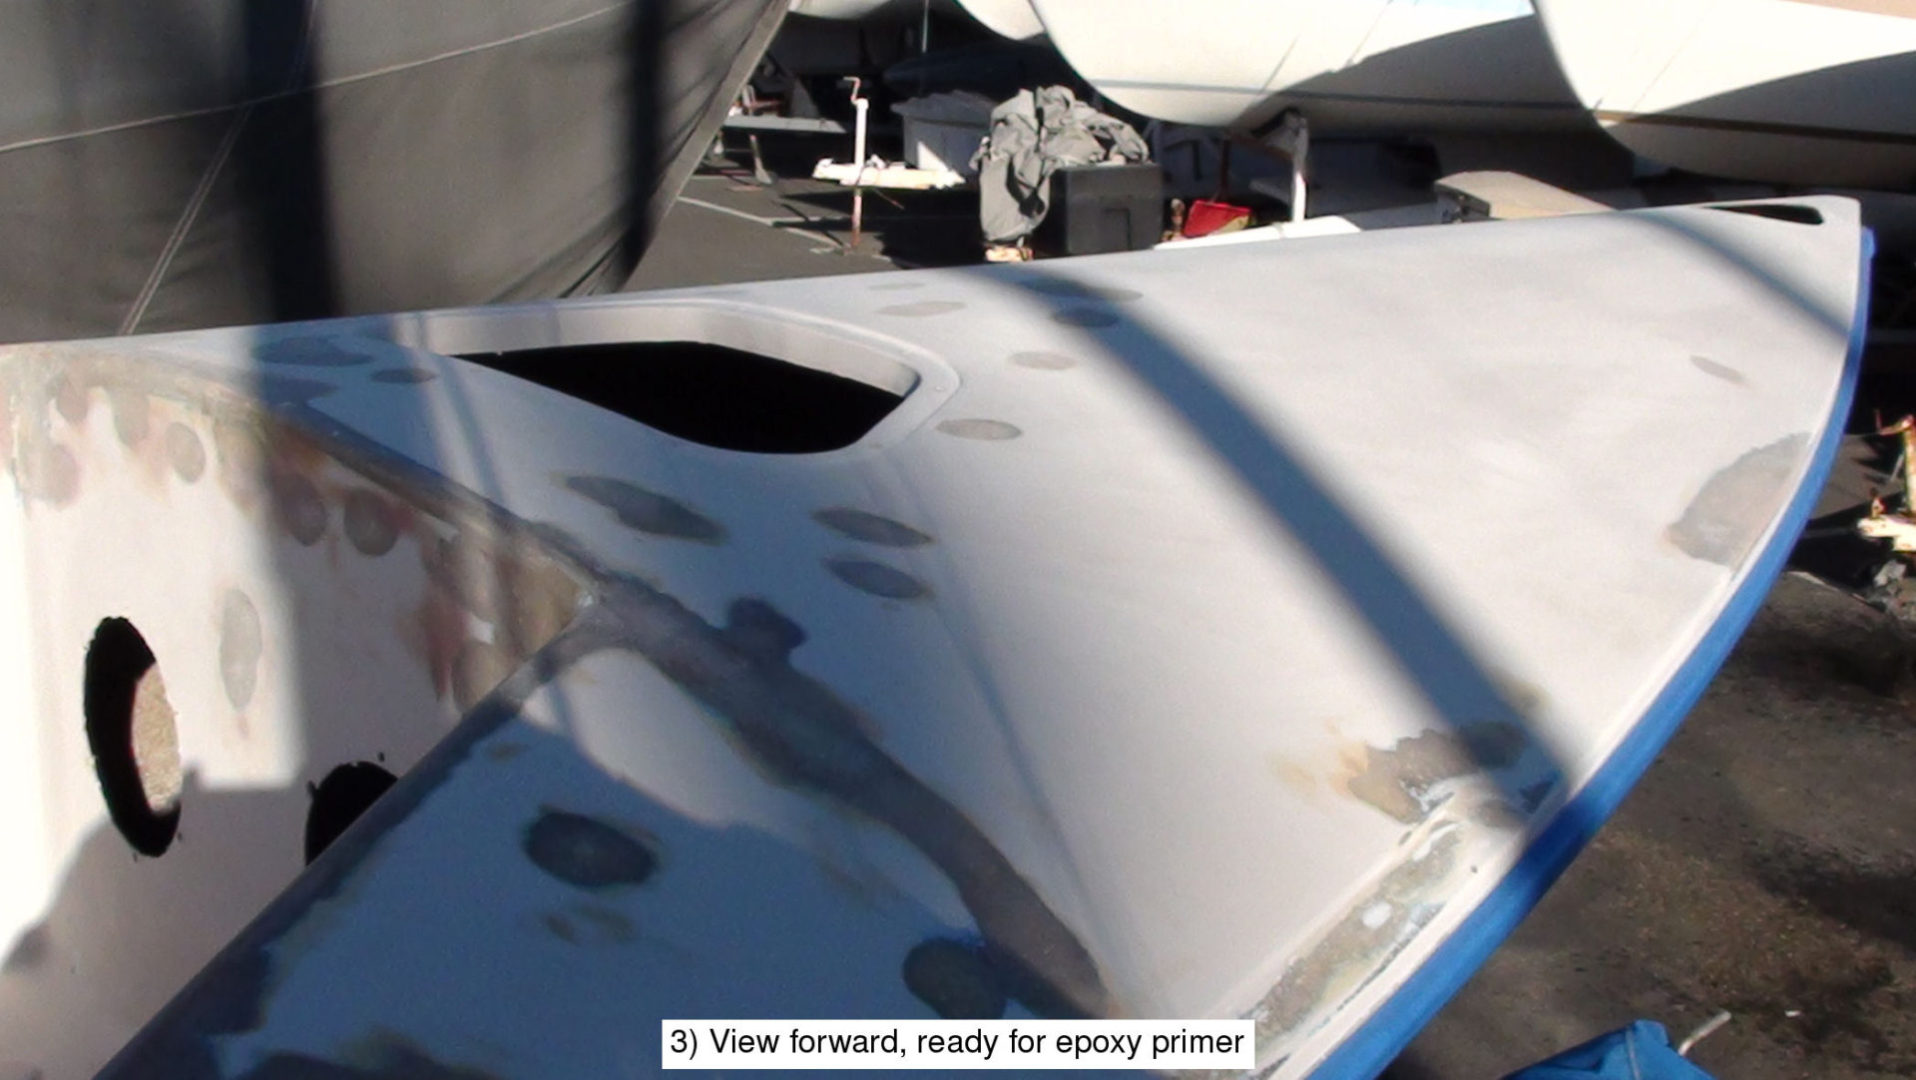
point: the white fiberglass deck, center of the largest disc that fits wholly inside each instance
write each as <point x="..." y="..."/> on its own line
<point x="1236" y="632"/>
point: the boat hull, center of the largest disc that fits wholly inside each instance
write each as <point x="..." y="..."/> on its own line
<point x="1014" y="19"/>
<point x="1377" y="66"/>
<point x="1785" y="91"/>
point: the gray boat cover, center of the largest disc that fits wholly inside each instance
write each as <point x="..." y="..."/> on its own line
<point x="178" y="163"/>
<point x="1034" y="134"/>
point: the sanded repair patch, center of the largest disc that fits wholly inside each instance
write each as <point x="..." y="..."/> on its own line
<point x="648" y="511"/>
<point x="921" y="308"/>
<point x="588" y="853"/>
<point x="1360" y="944"/>
<point x="878" y="579"/>
<point x="986" y="430"/>
<point x="242" y="640"/>
<point x="870" y="528"/>
<point x="1725" y="520"/>
<point x="1403" y="781"/>
<point x="802" y="734"/>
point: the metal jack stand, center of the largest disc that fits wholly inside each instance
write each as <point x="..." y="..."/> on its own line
<point x="860" y="105"/>
<point x="761" y="175"/>
<point x="1292" y="138"/>
<point x="1882" y="524"/>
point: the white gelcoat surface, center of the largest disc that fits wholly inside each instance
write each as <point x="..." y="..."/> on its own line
<point x="1788" y="91"/>
<point x="1348" y="65"/>
<point x="1139" y="670"/>
<point x="1015" y="19"/>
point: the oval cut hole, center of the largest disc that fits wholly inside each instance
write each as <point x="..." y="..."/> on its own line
<point x="131" y="730"/>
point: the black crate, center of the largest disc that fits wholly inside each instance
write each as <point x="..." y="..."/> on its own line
<point x="1100" y="208"/>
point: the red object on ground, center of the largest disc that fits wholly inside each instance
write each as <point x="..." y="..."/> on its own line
<point x="1207" y="217"/>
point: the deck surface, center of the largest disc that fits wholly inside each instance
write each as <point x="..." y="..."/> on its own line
<point x="1765" y="865"/>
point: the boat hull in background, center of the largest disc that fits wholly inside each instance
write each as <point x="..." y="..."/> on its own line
<point x="1806" y="92"/>
<point x="1014" y="19"/>
<point x="1369" y="66"/>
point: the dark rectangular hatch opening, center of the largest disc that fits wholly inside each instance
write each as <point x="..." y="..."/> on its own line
<point x="708" y="394"/>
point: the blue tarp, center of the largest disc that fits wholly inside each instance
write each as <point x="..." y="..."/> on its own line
<point x="1641" y="1051"/>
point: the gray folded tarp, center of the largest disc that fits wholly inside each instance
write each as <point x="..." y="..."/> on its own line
<point x="177" y="163"/>
<point x="1033" y="135"/>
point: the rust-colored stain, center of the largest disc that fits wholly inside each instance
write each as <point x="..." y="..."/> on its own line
<point x="1293" y="774"/>
<point x="295" y="450"/>
<point x="476" y="669"/>
<point x="71" y="399"/>
<point x="298" y="506"/>
<point x="371" y="522"/>
<point x="436" y="633"/>
<point x="467" y="567"/>
<point x="241" y="454"/>
<point x="49" y="472"/>
<point x="530" y="585"/>
<point x="541" y="599"/>
<point x="184" y="452"/>
<point x="525" y="594"/>
<point x="131" y="414"/>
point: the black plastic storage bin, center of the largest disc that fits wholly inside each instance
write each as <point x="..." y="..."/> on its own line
<point x="1100" y="208"/>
